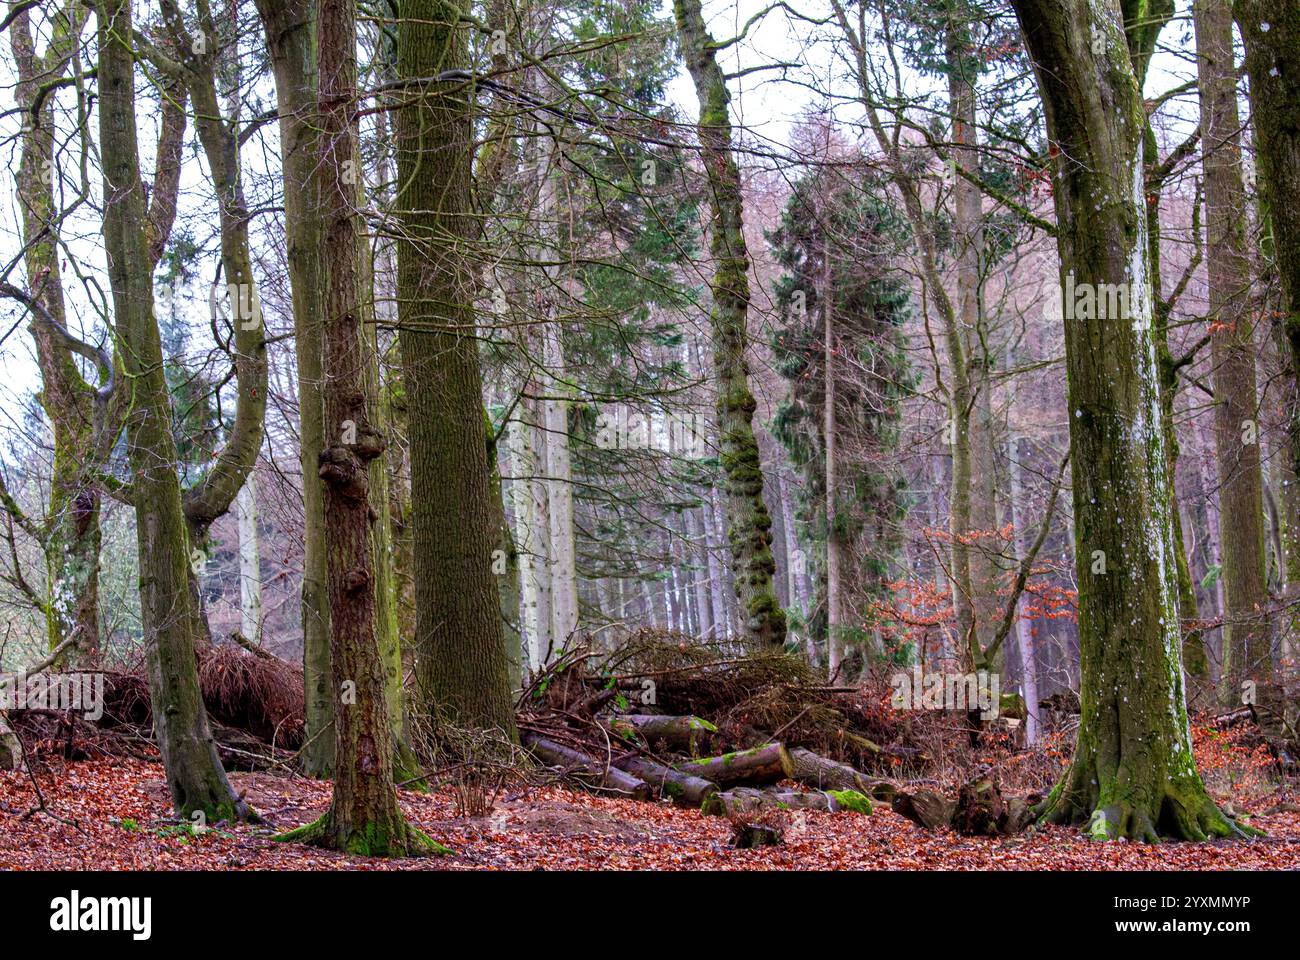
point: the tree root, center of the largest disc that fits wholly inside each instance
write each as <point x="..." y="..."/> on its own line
<point x="1179" y="812"/>
<point x="401" y="839"/>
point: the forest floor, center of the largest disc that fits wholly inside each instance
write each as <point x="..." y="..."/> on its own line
<point x="114" y="814"/>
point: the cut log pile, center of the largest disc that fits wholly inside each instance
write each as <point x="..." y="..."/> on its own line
<point x="730" y="784"/>
<point x="588" y="770"/>
<point x="769" y="738"/>
<point x="580" y="732"/>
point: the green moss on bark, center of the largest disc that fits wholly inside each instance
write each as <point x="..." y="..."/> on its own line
<point x="370" y="839"/>
<point x="749" y="526"/>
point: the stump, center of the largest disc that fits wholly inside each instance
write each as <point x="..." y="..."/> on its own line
<point x="751" y="836"/>
<point x="980" y="810"/>
<point x="925" y="808"/>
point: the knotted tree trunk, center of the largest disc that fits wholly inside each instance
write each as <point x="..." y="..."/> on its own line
<point x="70" y="535"/>
<point x="364" y="816"/>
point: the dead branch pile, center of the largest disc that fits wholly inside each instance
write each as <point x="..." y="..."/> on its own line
<point x="665" y="716"/>
<point x="262" y="695"/>
<point x="255" y="704"/>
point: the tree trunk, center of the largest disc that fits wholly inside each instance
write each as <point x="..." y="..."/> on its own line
<point x="71" y="534"/>
<point x="250" y="564"/>
<point x="561" y="569"/>
<point x="1195" y="663"/>
<point x="699" y="554"/>
<point x="976" y="509"/>
<point x="462" y="669"/>
<point x="363" y="816"/>
<point x="406" y="766"/>
<point x="505" y="568"/>
<point x="749" y="528"/>
<point x="290" y="28"/>
<point x="1271" y="31"/>
<point x="1024" y="633"/>
<point x="1236" y="413"/>
<point x="559" y="495"/>
<point x="534" y="603"/>
<point x="193" y="771"/>
<point x="552" y="437"/>
<point x="1133" y="773"/>
<point x="834" y="542"/>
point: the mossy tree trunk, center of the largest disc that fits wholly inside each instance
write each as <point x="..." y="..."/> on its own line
<point x="1236" y="411"/>
<point x="462" y="667"/>
<point x="749" y="527"/>
<point x="70" y="535"/>
<point x="197" y="66"/>
<point x="974" y="514"/>
<point x="363" y="816"/>
<point x="406" y="766"/>
<point x="189" y="754"/>
<point x="1271" y="32"/>
<point x="834" y="540"/>
<point x="290" y="28"/>
<point x="1133" y="774"/>
<point x="1196" y="664"/>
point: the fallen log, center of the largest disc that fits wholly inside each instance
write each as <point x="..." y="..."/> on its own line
<point x="759" y="766"/>
<point x="742" y="800"/>
<point x="587" y="770"/>
<point x="739" y="801"/>
<point x="685" y="733"/>
<point x="682" y="789"/>
<point x="817" y="771"/>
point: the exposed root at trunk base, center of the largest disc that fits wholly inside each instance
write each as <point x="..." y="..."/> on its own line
<point x="1179" y="811"/>
<point x="399" y="839"/>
